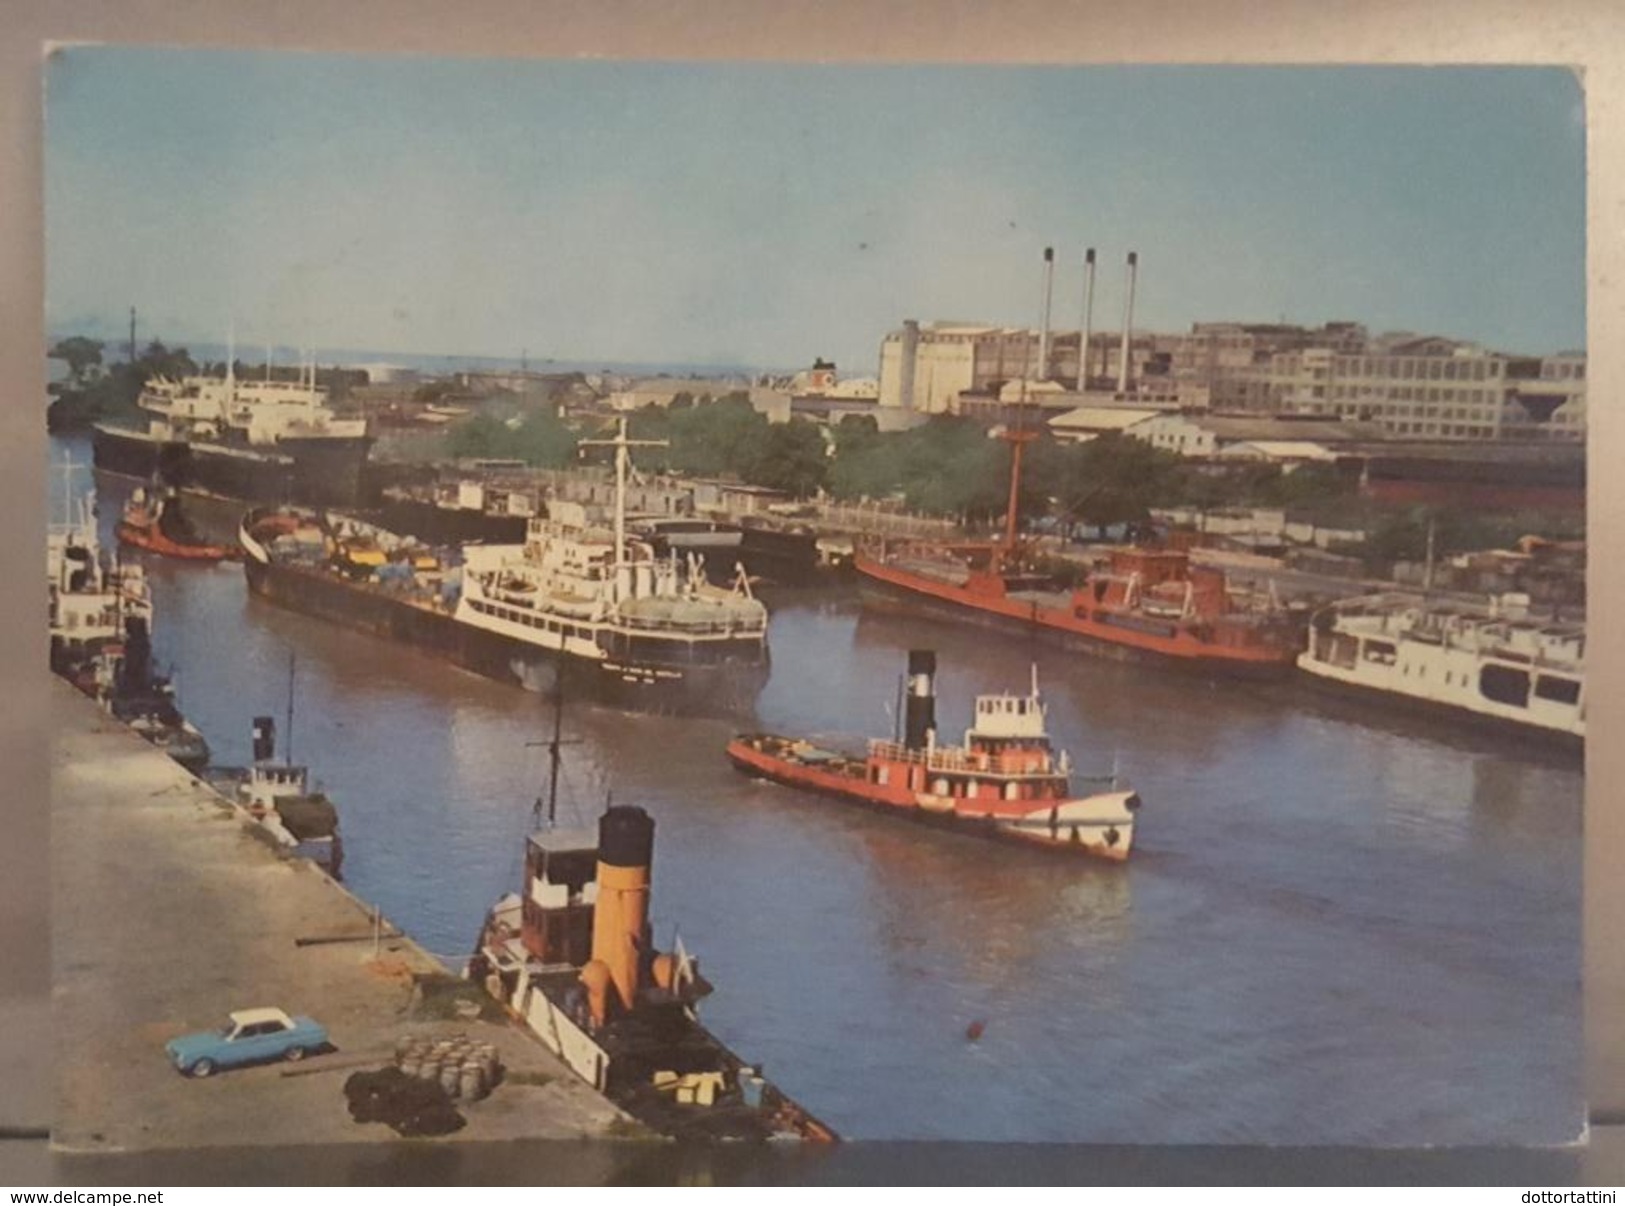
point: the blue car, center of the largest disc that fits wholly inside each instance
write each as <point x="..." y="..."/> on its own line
<point x="250" y="1036"/>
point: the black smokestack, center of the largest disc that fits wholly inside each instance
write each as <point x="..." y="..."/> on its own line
<point x="1043" y="335"/>
<point x="920" y="715"/>
<point x="626" y="837"/>
<point x="264" y="738"/>
<point x="135" y="670"/>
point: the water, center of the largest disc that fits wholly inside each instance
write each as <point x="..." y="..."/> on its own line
<point x="1334" y="930"/>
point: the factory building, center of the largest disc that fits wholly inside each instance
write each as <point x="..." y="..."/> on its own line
<point x="1434" y="388"/>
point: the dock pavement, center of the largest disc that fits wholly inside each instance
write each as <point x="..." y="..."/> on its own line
<point x="169" y="912"/>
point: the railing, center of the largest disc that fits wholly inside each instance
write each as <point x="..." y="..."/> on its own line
<point x="956" y="760"/>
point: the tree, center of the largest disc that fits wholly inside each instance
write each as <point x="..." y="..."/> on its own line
<point x="541" y="440"/>
<point x="81" y="356"/>
<point x="112" y="395"/>
<point x="790" y="457"/>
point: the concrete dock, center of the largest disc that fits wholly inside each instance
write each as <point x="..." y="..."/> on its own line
<point x="169" y="912"/>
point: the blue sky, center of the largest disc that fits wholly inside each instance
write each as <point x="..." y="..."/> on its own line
<point x="769" y="213"/>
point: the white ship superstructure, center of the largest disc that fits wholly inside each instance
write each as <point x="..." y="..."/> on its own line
<point x="1497" y="662"/>
<point x="256" y="414"/>
<point x="90" y="599"/>
<point x="268" y="440"/>
<point x="603" y="596"/>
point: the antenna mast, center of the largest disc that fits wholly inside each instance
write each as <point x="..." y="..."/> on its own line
<point x="554" y="756"/>
<point x="622" y="460"/>
<point x="287" y="743"/>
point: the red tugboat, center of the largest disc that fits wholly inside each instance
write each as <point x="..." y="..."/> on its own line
<point x="1005" y="781"/>
<point x="158" y="526"/>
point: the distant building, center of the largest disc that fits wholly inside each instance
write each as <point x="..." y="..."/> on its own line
<point x="1436" y="388"/>
<point x="927" y="369"/>
<point x="1410" y="385"/>
<point x="663" y="391"/>
<point x="1088" y="422"/>
<point x="1289" y="454"/>
<point x="1214" y="435"/>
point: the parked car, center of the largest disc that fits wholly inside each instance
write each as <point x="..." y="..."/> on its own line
<point x="250" y="1036"/>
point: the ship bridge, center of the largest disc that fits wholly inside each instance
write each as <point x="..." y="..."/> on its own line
<point x="1008" y="716"/>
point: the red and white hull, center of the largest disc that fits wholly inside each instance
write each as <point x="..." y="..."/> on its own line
<point x="1101" y="824"/>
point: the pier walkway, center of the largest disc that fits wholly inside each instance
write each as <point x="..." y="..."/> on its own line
<point x="170" y="912"/>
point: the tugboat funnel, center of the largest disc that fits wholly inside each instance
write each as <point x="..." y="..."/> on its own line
<point x="620" y="927"/>
<point x="920" y="716"/>
<point x="264" y="738"/>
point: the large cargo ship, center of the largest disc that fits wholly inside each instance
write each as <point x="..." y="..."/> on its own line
<point x="1004" y="781"/>
<point x="261" y="441"/>
<point x="1494" y="664"/>
<point x="573" y="958"/>
<point x="631" y="629"/>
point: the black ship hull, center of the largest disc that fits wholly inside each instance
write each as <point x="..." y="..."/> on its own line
<point x="789" y="557"/>
<point x="449" y="525"/>
<point x="324" y="471"/>
<point x="726" y="689"/>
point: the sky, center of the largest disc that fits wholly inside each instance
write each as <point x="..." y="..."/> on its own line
<point x="765" y="214"/>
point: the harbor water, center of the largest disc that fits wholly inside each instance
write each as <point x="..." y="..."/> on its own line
<point x="1337" y="927"/>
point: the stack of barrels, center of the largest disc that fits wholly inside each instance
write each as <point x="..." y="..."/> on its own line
<point x="463" y="1068"/>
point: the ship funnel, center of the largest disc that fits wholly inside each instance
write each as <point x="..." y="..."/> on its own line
<point x="920" y="717"/>
<point x="1043" y="334"/>
<point x="1088" y="318"/>
<point x="1128" y="324"/>
<point x="620" y="924"/>
<point x="264" y="738"/>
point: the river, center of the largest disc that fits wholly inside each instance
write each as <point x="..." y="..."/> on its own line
<point x="1336" y="928"/>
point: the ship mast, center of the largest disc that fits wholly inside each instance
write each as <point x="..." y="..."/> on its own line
<point x="1018" y="437"/>
<point x="622" y="461"/>
<point x="287" y="741"/>
<point x="555" y="756"/>
<point x="231" y="377"/>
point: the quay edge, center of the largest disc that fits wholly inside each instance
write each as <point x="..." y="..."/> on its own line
<point x="192" y="916"/>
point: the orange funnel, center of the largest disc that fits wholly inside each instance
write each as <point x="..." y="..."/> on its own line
<point x="620" y="927"/>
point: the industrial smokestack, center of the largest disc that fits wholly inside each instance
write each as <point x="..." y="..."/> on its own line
<point x="920" y="716"/>
<point x="1128" y="325"/>
<point x="1049" y="294"/>
<point x="620" y="923"/>
<point x="1088" y="317"/>
<point x="909" y="354"/>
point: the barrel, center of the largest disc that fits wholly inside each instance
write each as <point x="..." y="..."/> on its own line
<point x="451" y="1080"/>
<point x="471" y="1082"/>
<point x="487" y="1056"/>
<point x="429" y="1068"/>
<point x="412" y="1065"/>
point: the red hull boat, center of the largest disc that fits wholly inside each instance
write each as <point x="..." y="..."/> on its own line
<point x="1005" y="781"/>
<point x="158" y="527"/>
<point x="1144" y="604"/>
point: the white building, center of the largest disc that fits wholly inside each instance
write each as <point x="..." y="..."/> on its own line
<point x="1088" y="422"/>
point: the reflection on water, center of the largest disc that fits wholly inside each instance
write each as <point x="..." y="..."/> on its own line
<point x="1333" y="931"/>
